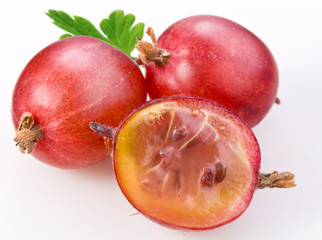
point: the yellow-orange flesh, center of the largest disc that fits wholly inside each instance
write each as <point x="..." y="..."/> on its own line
<point x="167" y="157"/>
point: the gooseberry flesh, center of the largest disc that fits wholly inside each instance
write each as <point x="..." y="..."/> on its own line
<point x="68" y="84"/>
<point x="217" y="59"/>
<point x="186" y="162"/>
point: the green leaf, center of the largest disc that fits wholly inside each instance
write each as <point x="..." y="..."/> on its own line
<point x="65" y="36"/>
<point x="76" y="25"/>
<point x="63" y="20"/>
<point x="118" y="28"/>
<point x="136" y="31"/>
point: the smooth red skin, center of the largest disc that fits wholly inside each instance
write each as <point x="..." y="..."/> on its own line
<point x="252" y="150"/>
<point x="70" y="83"/>
<point x="220" y="60"/>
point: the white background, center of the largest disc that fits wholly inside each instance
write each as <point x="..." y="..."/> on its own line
<point x="41" y="202"/>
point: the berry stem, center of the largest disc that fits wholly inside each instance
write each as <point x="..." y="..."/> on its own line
<point x="150" y="52"/>
<point x="276" y="180"/>
<point x="109" y="135"/>
<point x="28" y="133"/>
<point x="105" y="131"/>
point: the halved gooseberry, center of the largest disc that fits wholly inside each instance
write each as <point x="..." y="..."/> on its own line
<point x="185" y="162"/>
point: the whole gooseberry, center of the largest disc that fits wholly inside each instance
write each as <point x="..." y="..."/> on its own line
<point x="214" y="58"/>
<point x="65" y="86"/>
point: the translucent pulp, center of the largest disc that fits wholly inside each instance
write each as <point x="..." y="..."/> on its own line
<point x="183" y="165"/>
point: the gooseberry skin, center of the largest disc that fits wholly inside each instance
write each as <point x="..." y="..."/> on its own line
<point x="252" y="151"/>
<point x="70" y="83"/>
<point x="217" y="59"/>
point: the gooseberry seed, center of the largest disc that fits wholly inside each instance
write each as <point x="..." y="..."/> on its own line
<point x="207" y="178"/>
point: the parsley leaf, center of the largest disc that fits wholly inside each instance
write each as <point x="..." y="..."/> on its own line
<point x="118" y="28"/>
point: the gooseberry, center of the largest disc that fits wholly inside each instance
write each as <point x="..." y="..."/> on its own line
<point x="65" y="86"/>
<point x="187" y="162"/>
<point x="214" y="58"/>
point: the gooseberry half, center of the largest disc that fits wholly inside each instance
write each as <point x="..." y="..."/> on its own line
<point x="214" y="58"/>
<point x="188" y="163"/>
<point x="185" y="162"/>
<point x="65" y="86"/>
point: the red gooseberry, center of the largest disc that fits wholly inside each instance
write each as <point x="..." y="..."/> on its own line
<point x="214" y="58"/>
<point x="65" y="86"/>
<point x="188" y="162"/>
